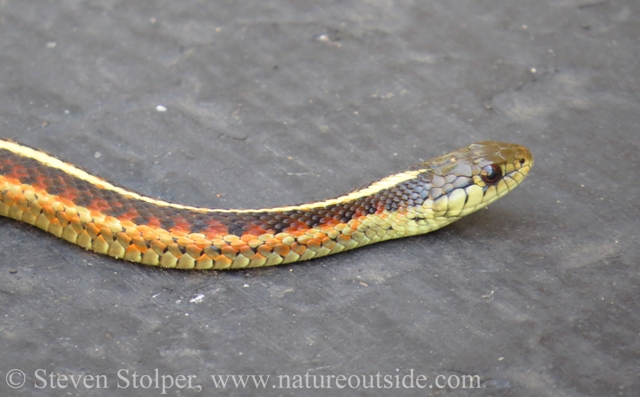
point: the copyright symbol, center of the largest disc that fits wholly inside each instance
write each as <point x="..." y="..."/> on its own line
<point x="15" y="378"/>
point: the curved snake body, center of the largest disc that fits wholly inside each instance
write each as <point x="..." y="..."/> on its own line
<point x="93" y="213"/>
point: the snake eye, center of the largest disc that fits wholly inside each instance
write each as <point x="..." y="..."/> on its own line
<point x="491" y="174"/>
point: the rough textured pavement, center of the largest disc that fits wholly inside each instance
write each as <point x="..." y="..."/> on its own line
<point x="277" y="102"/>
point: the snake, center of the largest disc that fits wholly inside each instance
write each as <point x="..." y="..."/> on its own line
<point x="84" y="209"/>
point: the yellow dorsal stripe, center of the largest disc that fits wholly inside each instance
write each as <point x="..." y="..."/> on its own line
<point x="76" y="172"/>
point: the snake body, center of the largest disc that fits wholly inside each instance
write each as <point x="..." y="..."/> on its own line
<point x="97" y="215"/>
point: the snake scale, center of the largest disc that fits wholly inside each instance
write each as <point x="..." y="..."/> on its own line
<point x="97" y="215"/>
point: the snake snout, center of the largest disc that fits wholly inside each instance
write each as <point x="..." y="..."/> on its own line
<point x="524" y="156"/>
<point x="522" y="162"/>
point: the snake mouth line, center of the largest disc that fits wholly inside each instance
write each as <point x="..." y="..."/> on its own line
<point x="98" y="215"/>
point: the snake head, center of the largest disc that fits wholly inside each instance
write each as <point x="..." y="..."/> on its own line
<point x="471" y="178"/>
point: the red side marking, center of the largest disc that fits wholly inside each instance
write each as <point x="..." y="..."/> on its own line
<point x="255" y="230"/>
<point x="215" y="228"/>
<point x="297" y="227"/>
<point x="154" y="223"/>
<point x="38" y="184"/>
<point x="67" y="196"/>
<point x="180" y="225"/>
<point x="128" y="216"/>
<point x="98" y="205"/>
<point x="16" y="173"/>
<point x="360" y="212"/>
<point x="329" y="222"/>
<point x="213" y="235"/>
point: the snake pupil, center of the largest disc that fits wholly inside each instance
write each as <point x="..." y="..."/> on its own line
<point x="491" y="173"/>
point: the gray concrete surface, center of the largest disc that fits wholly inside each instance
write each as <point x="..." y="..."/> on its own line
<point x="274" y="102"/>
